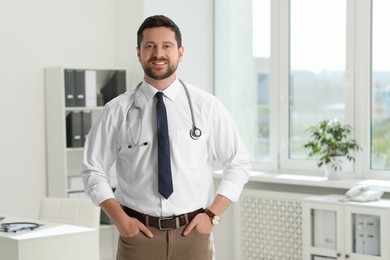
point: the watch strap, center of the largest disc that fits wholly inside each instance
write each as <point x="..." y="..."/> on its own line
<point x="213" y="217"/>
<point x="210" y="213"/>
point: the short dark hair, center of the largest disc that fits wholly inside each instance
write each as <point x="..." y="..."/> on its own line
<point x="158" y="21"/>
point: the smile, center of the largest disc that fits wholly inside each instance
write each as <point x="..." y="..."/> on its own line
<point x="159" y="62"/>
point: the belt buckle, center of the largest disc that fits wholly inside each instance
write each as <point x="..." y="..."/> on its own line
<point x="177" y="221"/>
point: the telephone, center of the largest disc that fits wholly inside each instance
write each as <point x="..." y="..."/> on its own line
<point x="362" y="193"/>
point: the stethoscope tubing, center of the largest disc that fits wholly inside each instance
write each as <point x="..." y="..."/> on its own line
<point x="195" y="132"/>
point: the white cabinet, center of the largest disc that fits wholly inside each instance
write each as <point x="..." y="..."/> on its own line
<point x="108" y="242"/>
<point x="74" y="100"/>
<point x="345" y="230"/>
<point x="49" y="242"/>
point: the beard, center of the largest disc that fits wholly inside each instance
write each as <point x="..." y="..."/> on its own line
<point x="160" y="74"/>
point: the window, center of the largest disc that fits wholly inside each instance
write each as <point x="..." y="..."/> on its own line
<point x="261" y="27"/>
<point x="242" y="69"/>
<point x="317" y="67"/>
<point x="380" y="87"/>
<point x="284" y="65"/>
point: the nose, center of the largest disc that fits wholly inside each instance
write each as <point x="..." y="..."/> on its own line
<point x="158" y="52"/>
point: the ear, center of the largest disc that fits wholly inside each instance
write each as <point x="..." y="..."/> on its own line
<point x="181" y="52"/>
<point x="138" y="53"/>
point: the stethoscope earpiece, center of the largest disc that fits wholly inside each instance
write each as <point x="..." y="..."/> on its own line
<point x="195" y="133"/>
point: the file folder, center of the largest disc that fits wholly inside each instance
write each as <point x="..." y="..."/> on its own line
<point x="90" y="88"/>
<point x="324" y="225"/>
<point x="80" y="87"/>
<point x="74" y="129"/>
<point x="121" y="82"/>
<point x="115" y="86"/>
<point x="358" y="233"/>
<point x="366" y="234"/>
<point x="70" y="100"/>
<point x="372" y="242"/>
<point x="86" y="124"/>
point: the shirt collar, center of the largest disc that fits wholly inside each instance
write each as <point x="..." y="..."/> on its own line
<point x="170" y="92"/>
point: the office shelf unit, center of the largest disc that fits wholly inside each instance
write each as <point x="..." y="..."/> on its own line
<point x="74" y="100"/>
<point x="335" y="230"/>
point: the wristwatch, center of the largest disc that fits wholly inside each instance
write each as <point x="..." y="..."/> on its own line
<point x="215" y="219"/>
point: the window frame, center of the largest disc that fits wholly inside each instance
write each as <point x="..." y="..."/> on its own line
<point x="358" y="104"/>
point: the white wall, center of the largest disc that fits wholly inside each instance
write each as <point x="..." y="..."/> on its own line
<point x="34" y="35"/>
<point x="88" y="33"/>
<point x="195" y="20"/>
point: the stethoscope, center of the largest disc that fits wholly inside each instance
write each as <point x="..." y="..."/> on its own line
<point x="195" y="132"/>
<point x="18" y="226"/>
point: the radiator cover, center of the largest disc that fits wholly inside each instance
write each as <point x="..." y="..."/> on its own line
<point x="270" y="225"/>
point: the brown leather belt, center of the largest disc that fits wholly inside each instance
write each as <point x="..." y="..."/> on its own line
<point x="164" y="223"/>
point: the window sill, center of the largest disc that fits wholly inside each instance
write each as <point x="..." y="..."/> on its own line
<point x="312" y="181"/>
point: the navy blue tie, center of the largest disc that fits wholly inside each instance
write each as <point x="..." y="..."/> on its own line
<point x="165" y="187"/>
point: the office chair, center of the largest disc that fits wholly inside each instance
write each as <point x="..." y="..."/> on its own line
<point x="72" y="211"/>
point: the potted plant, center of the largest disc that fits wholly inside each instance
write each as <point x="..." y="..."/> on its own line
<point x="331" y="141"/>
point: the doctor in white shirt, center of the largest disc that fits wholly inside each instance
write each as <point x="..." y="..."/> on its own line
<point x="153" y="226"/>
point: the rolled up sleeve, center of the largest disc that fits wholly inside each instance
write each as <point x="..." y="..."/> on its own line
<point x="230" y="151"/>
<point x="99" y="156"/>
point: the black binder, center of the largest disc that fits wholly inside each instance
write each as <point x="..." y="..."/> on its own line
<point x="121" y="82"/>
<point x="87" y="122"/>
<point x="115" y="86"/>
<point x="80" y="88"/>
<point x="70" y="94"/>
<point x="74" y="136"/>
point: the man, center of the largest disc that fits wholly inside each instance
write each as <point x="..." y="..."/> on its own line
<point x="164" y="205"/>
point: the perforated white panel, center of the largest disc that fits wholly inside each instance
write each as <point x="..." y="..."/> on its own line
<point x="271" y="226"/>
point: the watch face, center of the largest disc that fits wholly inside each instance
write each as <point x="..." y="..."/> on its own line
<point x="216" y="219"/>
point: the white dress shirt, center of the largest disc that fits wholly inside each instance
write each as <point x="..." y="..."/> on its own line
<point x="191" y="160"/>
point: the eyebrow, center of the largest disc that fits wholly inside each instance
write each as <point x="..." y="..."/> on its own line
<point x="164" y="42"/>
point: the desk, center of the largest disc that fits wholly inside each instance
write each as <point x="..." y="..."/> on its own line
<point x="48" y="242"/>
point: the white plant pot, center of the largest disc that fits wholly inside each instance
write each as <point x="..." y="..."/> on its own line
<point x="333" y="169"/>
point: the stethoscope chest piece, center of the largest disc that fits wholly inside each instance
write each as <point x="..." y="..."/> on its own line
<point x="195" y="133"/>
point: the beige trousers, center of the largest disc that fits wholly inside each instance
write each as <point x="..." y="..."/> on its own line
<point x="166" y="245"/>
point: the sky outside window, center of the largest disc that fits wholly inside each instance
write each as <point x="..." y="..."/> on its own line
<point x="317" y="66"/>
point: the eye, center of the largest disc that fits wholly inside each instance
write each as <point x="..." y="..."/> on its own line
<point x="149" y="46"/>
<point x="167" y="46"/>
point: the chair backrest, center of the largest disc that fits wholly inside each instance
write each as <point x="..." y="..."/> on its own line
<point x="80" y="212"/>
